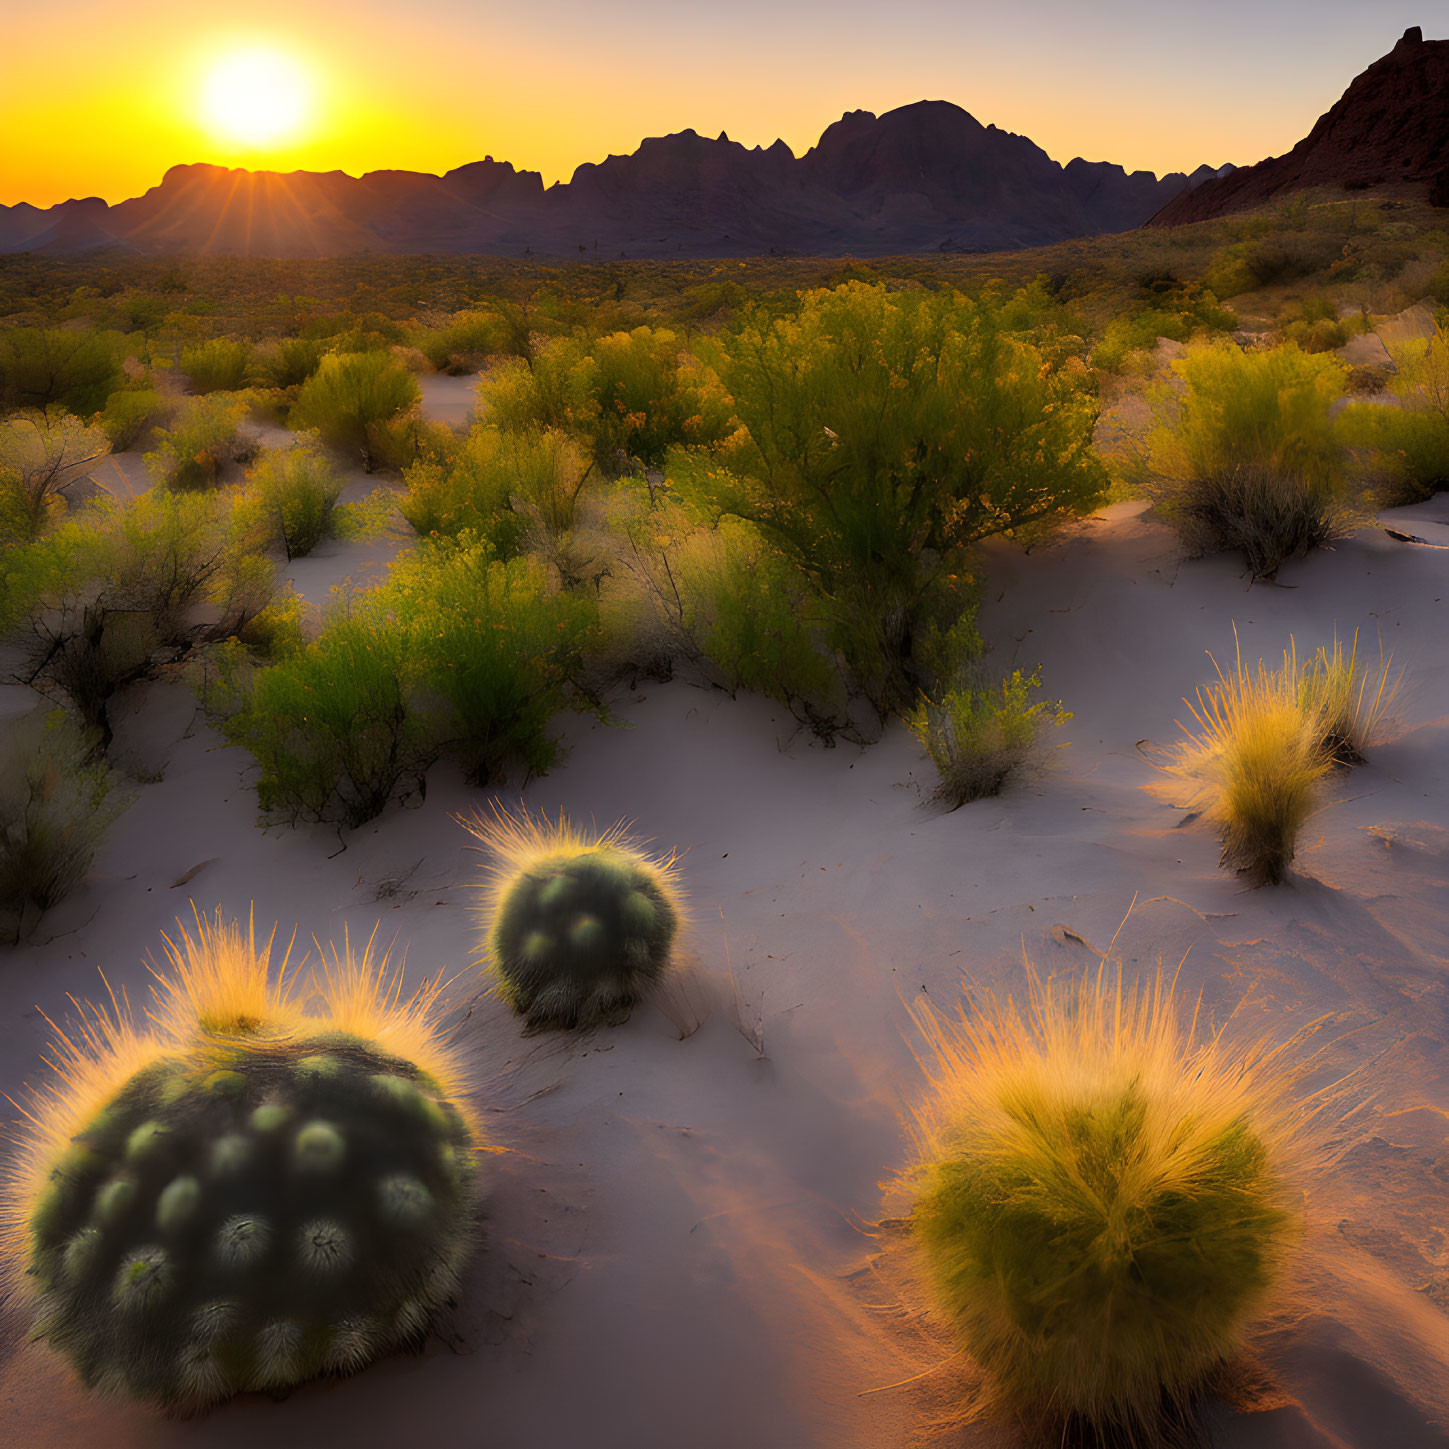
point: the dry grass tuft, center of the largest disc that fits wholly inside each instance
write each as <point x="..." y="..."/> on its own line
<point x="1253" y="765"/>
<point x="1104" y="1198"/>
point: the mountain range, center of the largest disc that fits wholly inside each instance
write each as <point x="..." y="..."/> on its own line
<point x="925" y="177"/>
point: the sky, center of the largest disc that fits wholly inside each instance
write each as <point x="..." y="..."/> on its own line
<point x="99" y="98"/>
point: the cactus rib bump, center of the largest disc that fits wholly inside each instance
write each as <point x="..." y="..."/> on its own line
<point x="580" y="925"/>
<point x="238" y="1195"/>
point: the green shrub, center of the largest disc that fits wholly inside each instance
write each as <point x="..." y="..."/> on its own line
<point x="39" y="454"/>
<point x="287" y="362"/>
<point x="1409" y="443"/>
<point x="332" y="726"/>
<point x="351" y="399"/>
<point x="1177" y="313"/>
<point x="217" y="365"/>
<point x="293" y="492"/>
<point x="122" y="589"/>
<point x="1102" y="1202"/>
<point x="469" y="489"/>
<point x="978" y="738"/>
<point x="132" y="414"/>
<point x="499" y="648"/>
<point x="45" y="367"/>
<point x="1315" y="326"/>
<point x="57" y="799"/>
<point x="240" y="1197"/>
<point x="721" y="595"/>
<point x="200" y="441"/>
<point x="1245" y="455"/>
<point x="884" y="433"/>
<point x="462" y="344"/>
<point x="581" y="925"/>
<point x="628" y="397"/>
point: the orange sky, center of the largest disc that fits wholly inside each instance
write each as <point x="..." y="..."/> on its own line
<point x="103" y="98"/>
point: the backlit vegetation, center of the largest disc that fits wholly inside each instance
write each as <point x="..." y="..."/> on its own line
<point x="580" y="925"/>
<point x="354" y="400"/>
<point x="234" y="1195"/>
<point x="1103" y="1200"/>
<point x="979" y="738"/>
<point x="57" y="799"/>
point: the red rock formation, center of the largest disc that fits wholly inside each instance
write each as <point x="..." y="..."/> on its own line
<point x="1390" y="126"/>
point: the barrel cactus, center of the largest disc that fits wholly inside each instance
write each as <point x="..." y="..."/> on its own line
<point x="243" y="1196"/>
<point x="579" y="926"/>
<point x="1102" y="1203"/>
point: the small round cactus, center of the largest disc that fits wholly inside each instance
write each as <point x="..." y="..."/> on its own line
<point x="248" y="1197"/>
<point x="579" y="927"/>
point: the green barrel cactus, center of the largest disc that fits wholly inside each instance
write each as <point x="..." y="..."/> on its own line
<point x="579" y="928"/>
<point x="263" y="1199"/>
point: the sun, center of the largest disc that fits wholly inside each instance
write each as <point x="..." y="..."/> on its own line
<point x="258" y="96"/>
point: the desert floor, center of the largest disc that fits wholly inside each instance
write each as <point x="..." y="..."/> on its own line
<point x="679" y="1248"/>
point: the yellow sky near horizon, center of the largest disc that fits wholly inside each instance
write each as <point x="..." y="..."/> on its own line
<point x="447" y="82"/>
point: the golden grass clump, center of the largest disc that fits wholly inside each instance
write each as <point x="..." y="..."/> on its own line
<point x="1352" y="698"/>
<point x="580" y="925"/>
<point x="1254" y="764"/>
<point x="1103" y="1199"/>
<point x="235" y="1193"/>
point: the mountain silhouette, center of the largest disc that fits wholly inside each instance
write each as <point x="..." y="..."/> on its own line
<point x="927" y="177"/>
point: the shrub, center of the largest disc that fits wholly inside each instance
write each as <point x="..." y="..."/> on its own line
<point x="883" y="434"/>
<point x="1245" y="456"/>
<point x="1411" y="441"/>
<point x="580" y="926"/>
<point x="45" y="367"/>
<point x="40" y="453"/>
<point x="721" y="595"/>
<point x="1102" y="1201"/>
<point x="1179" y="312"/>
<point x="498" y="647"/>
<point x="1266" y="516"/>
<point x="217" y="365"/>
<point x="238" y="1196"/>
<point x="1254" y="763"/>
<point x="1315" y="326"/>
<point x="131" y="414"/>
<point x="287" y="362"/>
<point x="352" y="397"/>
<point x="57" y="800"/>
<point x="332" y="725"/>
<point x="462" y="344"/>
<point x="1349" y="697"/>
<point x="628" y="397"/>
<point x="978" y="738"/>
<point x="203" y="437"/>
<point x="468" y="489"/>
<point x="294" y="491"/>
<point x="124" y="588"/>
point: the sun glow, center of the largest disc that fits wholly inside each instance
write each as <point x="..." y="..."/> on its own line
<point x="258" y="96"/>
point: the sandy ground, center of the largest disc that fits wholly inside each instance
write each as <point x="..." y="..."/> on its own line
<point x="449" y="400"/>
<point x="678" y="1228"/>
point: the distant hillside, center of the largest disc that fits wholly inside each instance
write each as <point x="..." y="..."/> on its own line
<point x="1390" y="126"/>
<point x="928" y="177"/>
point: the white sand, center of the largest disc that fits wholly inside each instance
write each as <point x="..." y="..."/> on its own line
<point x="673" y="1227"/>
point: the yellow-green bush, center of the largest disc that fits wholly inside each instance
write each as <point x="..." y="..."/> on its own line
<point x="40" y="452"/>
<point x="132" y="414"/>
<point x="217" y="365"/>
<point x="57" y="799"/>
<point x="883" y="434"/>
<point x="352" y="399"/>
<point x="1103" y="1200"/>
<point x="978" y="738"/>
<point x="1243" y="453"/>
<point x="72" y="369"/>
<point x="1409" y="444"/>
<point x="201" y="440"/>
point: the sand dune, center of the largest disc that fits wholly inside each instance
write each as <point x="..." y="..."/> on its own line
<point x="679" y="1247"/>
